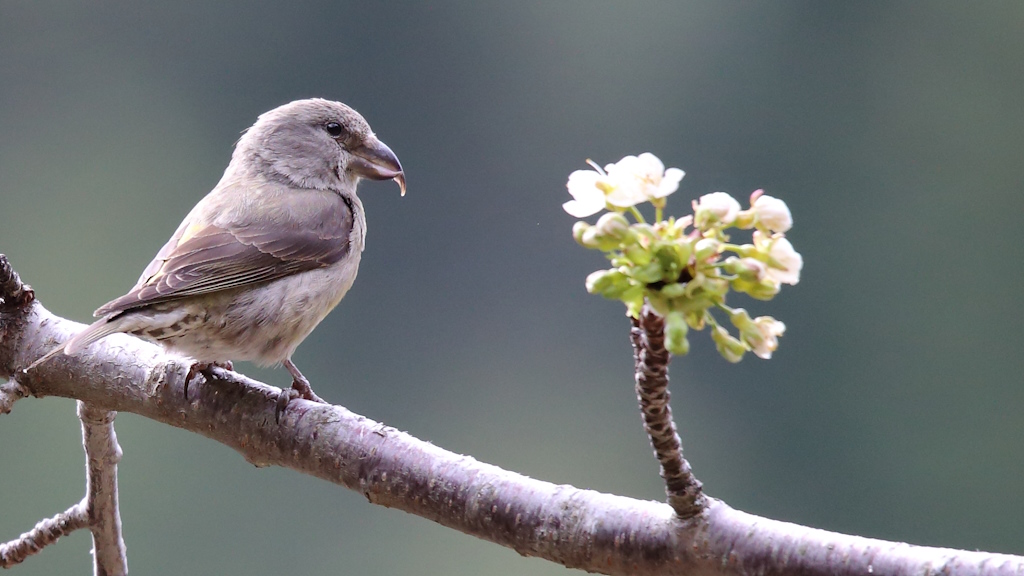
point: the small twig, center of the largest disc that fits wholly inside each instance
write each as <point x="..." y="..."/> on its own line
<point x="102" y="455"/>
<point x="651" y="361"/>
<point x="12" y="291"/>
<point x="44" y="533"/>
<point x="10" y="392"/>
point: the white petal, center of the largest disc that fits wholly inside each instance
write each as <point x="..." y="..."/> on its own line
<point x="773" y="213"/>
<point x="582" y="209"/>
<point x="669" y="182"/>
<point x="782" y="251"/>
<point x="723" y="206"/>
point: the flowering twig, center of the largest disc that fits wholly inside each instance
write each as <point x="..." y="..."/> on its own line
<point x="651" y="360"/>
<point x="671" y="274"/>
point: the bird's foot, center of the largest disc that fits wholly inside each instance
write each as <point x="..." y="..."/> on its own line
<point x="203" y="368"/>
<point x="301" y="385"/>
<point x="300" y="389"/>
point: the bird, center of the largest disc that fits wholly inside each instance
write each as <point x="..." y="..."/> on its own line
<point x="267" y="254"/>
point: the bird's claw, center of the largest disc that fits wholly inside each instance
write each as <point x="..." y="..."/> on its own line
<point x="283" y="398"/>
<point x="203" y="368"/>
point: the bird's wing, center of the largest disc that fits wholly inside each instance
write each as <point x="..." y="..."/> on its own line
<point x="206" y="258"/>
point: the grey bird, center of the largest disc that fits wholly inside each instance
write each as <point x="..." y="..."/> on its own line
<point x="263" y="258"/>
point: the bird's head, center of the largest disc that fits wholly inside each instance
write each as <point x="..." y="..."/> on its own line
<point x="317" y="144"/>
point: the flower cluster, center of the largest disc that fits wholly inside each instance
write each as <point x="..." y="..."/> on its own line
<point x="683" y="268"/>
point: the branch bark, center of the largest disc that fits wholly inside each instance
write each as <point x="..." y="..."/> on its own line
<point x="102" y="453"/>
<point x="651" y="359"/>
<point x="577" y="528"/>
<point x="44" y="533"/>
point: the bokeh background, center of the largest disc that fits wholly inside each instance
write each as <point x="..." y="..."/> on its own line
<point x="894" y="131"/>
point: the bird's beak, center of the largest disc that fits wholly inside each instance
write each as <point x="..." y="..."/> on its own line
<point x="375" y="161"/>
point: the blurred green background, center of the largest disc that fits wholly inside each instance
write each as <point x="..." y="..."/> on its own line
<point x="894" y="131"/>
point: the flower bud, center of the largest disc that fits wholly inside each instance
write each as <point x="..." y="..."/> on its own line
<point x="612" y="225"/>
<point x="741" y="319"/>
<point x="684" y="248"/>
<point x="637" y="255"/>
<point x="675" y="334"/>
<point x="717" y="208"/>
<point x="706" y="248"/>
<point x="602" y="280"/>
<point x="578" y="230"/>
<point x="695" y="319"/>
<point x="729" y="347"/>
<point x="648" y="273"/>
<point x="673" y="290"/>
<point x="659" y="303"/>
<point x="716" y="286"/>
<point x="592" y="238"/>
<point x="744" y="219"/>
<point x="763" y="335"/>
<point x="764" y="290"/>
<point x="679" y="225"/>
<point x="748" y="269"/>
<point x="669" y="260"/>
<point x="772" y="213"/>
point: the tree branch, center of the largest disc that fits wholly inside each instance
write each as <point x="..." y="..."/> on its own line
<point x="44" y="533"/>
<point x="651" y="360"/>
<point x="578" y="528"/>
<point x="102" y="455"/>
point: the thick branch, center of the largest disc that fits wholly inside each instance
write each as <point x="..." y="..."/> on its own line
<point x="651" y="362"/>
<point x="13" y="292"/>
<point x="102" y="455"/>
<point x="578" y="528"/>
<point x="10" y="392"/>
<point x="44" y="533"/>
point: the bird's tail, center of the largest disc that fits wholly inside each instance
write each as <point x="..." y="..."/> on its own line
<point x="97" y="330"/>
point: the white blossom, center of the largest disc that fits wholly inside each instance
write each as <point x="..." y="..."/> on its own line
<point x="779" y="249"/>
<point x="637" y="179"/>
<point x="628" y="182"/>
<point x="717" y="207"/>
<point x="765" y="339"/>
<point x="773" y="213"/>
<point x="587" y="197"/>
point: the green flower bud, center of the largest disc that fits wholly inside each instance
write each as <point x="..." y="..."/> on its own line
<point x="763" y="290"/>
<point x="729" y="347"/>
<point x="612" y="225"/>
<point x="659" y="303"/>
<point x="669" y="260"/>
<point x="747" y="269"/>
<point x="675" y="334"/>
<point x="637" y="255"/>
<point x="741" y="320"/>
<point x="578" y="229"/>
<point x="673" y="290"/>
<point x="684" y="249"/>
<point x="706" y="248"/>
<point x="601" y="281"/>
<point x="695" y="319"/>
<point x="744" y="219"/>
<point x="633" y="298"/>
<point x="647" y="274"/>
<point x="715" y="286"/>
<point x="645" y="232"/>
<point x="592" y="238"/>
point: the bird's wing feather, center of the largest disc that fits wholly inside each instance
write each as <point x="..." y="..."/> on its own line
<point x="201" y="259"/>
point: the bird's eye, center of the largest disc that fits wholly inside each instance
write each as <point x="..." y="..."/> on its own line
<point x="334" y="129"/>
